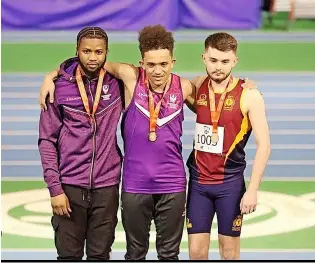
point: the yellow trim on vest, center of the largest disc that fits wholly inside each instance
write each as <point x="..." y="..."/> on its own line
<point x="239" y="137"/>
<point x="242" y="102"/>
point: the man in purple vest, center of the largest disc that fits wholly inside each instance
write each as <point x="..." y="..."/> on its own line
<point x="80" y="156"/>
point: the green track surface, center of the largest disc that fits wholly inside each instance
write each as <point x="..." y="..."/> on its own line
<point x="35" y="57"/>
<point x="302" y="239"/>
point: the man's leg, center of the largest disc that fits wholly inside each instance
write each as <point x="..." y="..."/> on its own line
<point x="200" y="213"/>
<point x="102" y="221"/>
<point x="230" y="219"/>
<point x="169" y="218"/>
<point x="229" y="247"/>
<point x="136" y="212"/>
<point x="70" y="232"/>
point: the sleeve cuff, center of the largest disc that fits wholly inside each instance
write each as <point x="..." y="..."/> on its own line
<point x="55" y="190"/>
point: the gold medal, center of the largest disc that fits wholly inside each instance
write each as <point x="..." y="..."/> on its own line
<point x="152" y="136"/>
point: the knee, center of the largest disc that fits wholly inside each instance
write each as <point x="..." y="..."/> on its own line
<point x="229" y="253"/>
<point x="198" y="253"/>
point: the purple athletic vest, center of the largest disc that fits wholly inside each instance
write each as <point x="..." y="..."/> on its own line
<point x="154" y="167"/>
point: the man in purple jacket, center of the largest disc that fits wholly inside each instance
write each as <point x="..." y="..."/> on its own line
<point x="80" y="156"/>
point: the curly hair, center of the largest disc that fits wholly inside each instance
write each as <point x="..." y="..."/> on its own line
<point x="221" y="41"/>
<point x="155" y="37"/>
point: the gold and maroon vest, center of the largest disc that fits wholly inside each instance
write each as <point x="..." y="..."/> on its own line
<point x="215" y="168"/>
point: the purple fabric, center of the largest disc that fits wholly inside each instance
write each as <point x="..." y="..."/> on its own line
<point x="129" y="14"/>
<point x="66" y="134"/>
<point x="222" y="199"/>
<point x="108" y="14"/>
<point x="154" y="167"/>
<point x="223" y="14"/>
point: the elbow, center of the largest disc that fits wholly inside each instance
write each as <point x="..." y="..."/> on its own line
<point x="264" y="148"/>
<point x="268" y="150"/>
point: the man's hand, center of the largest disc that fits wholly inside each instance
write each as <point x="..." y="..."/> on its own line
<point x="249" y="84"/>
<point x="48" y="87"/>
<point x="249" y="202"/>
<point x="60" y="205"/>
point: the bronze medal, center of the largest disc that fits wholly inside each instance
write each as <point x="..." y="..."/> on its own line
<point x="154" y="111"/>
<point x="215" y="137"/>
<point x="152" y="136"/>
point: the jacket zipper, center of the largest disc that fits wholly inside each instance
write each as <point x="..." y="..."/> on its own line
<point x="94" y="128"/>
<point x="93" y="123"/>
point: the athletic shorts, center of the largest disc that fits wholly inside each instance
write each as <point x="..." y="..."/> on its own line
<point x="206" y="200"/>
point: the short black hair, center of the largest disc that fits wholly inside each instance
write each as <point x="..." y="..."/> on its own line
<point x="92" y="32"/>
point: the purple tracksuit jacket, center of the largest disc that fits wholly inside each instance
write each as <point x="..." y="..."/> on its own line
<point x="73" y="150"/>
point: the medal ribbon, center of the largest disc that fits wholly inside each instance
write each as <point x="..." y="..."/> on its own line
<point x="83" y="91"/>
<point x="154" y="112"/>
<point x="215" y="113"/>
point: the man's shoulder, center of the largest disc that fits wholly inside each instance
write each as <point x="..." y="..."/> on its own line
<point x="62" y="82"/>
<point x="251" y="98"/>
<point x="64" y="87"/>
<point x="252" y="94"/>
<point x="185" y="82"/>
<point x="198" y="81"/>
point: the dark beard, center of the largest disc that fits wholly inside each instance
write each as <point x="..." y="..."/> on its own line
<point x="91" y="74"/>
<point x="218" y="81"/>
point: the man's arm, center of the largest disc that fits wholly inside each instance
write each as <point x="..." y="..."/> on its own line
<point x="50" y="124"/>
<point x="123" y="71"/>
<point x="126" y="72"/>
<point x="255" y="106"/>
<point x="190" y="89"/>
<point x="48" y="88"/>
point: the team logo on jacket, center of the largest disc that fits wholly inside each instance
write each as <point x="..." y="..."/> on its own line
<point x="172" y="101"/>
<point x="202" y="101"/>
<point x="229" y="103"/>
<point x="106" y="96"/>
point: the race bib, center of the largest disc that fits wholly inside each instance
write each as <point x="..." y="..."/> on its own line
<point x="203" y="139"/>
